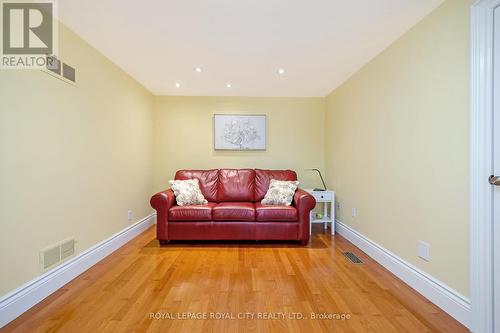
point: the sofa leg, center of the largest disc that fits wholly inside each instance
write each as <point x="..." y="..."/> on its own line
<point x="304" y="242"/>
<point x="163" y="241"/>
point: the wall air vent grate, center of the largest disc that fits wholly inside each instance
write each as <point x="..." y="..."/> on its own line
<point x="60" y="70"/>
<point x="67" y="249"/>
<point x="55" y="254"/>
<point x="50" y="257"/>
<point x="352" y="257"/>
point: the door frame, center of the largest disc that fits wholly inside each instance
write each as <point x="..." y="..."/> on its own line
<point x="481" y="164"/>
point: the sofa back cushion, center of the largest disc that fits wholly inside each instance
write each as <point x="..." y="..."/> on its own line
<point x="208" y="180"/>
<point x="236" y="185"/>
<point x="263" y="177"/>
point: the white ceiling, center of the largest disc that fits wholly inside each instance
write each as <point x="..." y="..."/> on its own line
<point x="319" y="43"/>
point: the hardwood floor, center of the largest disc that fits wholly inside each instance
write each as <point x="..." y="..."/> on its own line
<point x="142" y="280"/>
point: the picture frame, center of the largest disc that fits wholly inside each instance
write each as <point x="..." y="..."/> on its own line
<point x="240" y="132"/>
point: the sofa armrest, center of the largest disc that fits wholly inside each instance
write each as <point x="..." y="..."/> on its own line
<point x="304" y="202"/>
<point x="162" y="202"/>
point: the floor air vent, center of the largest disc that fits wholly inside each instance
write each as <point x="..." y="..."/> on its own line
<point x="352" y="257"/>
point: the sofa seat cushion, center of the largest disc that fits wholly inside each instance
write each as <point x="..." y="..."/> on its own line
<point x="234" y="211"/>
<point x="191" y="212"/>
<point x="275" y="213"/>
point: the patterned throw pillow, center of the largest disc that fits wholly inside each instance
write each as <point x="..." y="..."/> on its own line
<point x="187" y="192"/>
<point x="280" y="192"/>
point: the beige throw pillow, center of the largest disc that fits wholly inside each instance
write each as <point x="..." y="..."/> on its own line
<point x="187" y="192"/>
<point x="280" y="192"/>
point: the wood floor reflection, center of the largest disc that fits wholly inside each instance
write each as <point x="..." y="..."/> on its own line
<point x="235" y="287"/>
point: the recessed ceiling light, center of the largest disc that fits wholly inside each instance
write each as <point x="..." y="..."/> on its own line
<point x="198" y="69"/>
<point x="177" y="85"/>
<point x="228" y="85"/>
<point x="281" y="71"/>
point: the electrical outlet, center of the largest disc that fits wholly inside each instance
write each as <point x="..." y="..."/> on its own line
<point x="129" y="215"/>
<point x="354" y="212"/>
<point x="424" y="250"/>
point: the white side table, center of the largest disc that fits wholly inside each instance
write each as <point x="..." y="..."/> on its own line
<point x="328" y="197"/>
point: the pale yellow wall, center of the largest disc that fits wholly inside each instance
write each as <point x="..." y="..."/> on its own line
<point x="184" y="136"/>
<point x="73" y="160"/>
<point x="397" y="145"/>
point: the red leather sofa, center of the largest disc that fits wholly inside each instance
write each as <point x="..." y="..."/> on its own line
<point x="234" y="211"/>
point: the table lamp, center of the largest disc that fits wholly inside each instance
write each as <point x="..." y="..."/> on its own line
<point x="320" y="176"/>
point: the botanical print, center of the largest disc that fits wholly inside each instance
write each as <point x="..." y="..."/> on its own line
<point x="240" y="132"/>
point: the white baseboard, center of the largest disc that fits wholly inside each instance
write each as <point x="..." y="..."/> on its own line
<point x="23" y="298"/>
<point x="448" y="299"/>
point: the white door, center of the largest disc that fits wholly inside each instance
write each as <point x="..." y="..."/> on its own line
<point x="496" y="168"/>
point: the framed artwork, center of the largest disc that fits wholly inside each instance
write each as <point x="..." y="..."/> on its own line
<point x="239" y="132"/>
